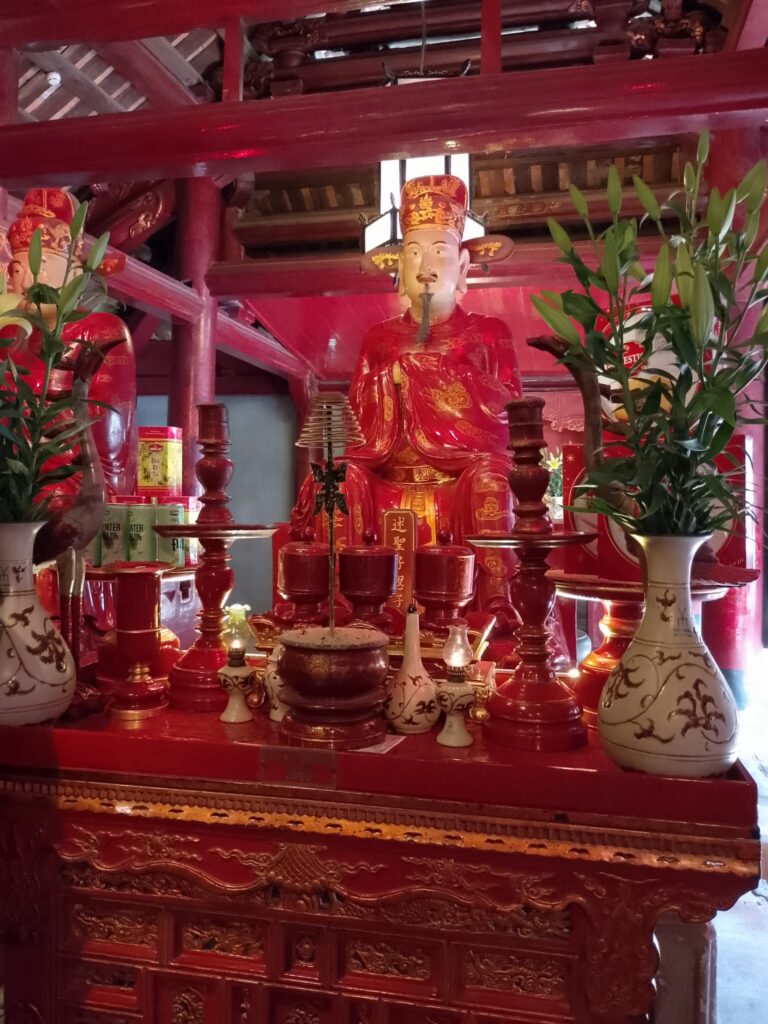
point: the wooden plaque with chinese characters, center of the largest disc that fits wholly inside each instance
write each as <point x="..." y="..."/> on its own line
<point x="424" y="885"/>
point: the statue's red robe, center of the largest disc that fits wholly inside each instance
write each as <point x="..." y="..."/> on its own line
<point x="433" y="416"/>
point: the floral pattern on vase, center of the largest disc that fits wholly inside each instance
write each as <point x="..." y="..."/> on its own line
<point x="666" y="707"/>
<point x="37" y="672"/>
<point x="273" y="684"/>
<point x="411" y="704"/>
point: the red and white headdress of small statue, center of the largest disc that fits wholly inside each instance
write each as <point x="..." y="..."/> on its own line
<point x="50" y="210"/>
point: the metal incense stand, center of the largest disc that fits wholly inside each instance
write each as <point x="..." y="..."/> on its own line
<point x="333" y="677"/>
<point x="194" y="681"/>
<point x="330" y="424"/>
<point x="534" y="709"/>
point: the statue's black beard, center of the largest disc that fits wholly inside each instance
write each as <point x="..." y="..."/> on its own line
<point x="423" y="332"/>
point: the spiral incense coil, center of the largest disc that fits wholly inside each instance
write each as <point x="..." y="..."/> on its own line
<point x="331" y="421"/>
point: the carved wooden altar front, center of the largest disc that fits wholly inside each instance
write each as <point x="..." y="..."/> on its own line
<point x="424" y="885"/>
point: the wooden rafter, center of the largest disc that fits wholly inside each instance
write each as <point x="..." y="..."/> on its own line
<point x="147" y="73"/>
<point x="75" y="80"/>
<point x="561" y="108"/>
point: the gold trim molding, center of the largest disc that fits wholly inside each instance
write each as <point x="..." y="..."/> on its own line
<point x="434" y="824"/>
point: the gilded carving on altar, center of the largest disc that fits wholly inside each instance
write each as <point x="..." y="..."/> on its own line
<point x="108" y="923"/>
<point x="540" y="977"/>
<point x="188" y="1006"/>
<point x="223" y="935"/>
<point x="387" y="960"/>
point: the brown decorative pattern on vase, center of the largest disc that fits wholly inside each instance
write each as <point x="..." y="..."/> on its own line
<point x="386" y="960"/>
<point x="132" y="927"/>
<point x="188" y="1006"/>
<point x="50" y="648"/>
<point x="217" y="935"/>
<point x="542" y="978"/>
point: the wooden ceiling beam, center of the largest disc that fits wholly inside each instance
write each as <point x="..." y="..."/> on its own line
<point x="75" y="80"/>
<point x="92" y="21"/>
<point x="519" y="113"/>
<point x="136" y="62"/>
<point x="257" y="348"/>
<point x="340" y="273"/>
<point x="749" y="29"/>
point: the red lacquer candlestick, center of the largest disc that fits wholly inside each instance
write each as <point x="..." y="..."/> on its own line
<point x="194" y="682"/>
<point x="137" y="628"/>
<point x="533" y="709"/>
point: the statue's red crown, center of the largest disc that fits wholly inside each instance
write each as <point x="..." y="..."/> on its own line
<point x="51" y="210"/>
<point x="437" y="202"/>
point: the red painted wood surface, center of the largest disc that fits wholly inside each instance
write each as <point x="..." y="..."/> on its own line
<point x="93" y="21"/>
<point x="234" y="48"/>
<point x="193" y="871"/>
<point x="574" y="106"/>
<point x="180" y="744"/>
<point x="490" y="40"/>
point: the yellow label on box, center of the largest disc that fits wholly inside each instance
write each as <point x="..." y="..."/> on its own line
<point x="159" y="464"/>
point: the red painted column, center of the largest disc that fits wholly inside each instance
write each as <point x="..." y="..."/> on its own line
<point x="732" y="626"/>
<point x="9" y="103"/>
<point x="193" y="368"/>
<point x="234" y="51"/>
<point x="490" y="37"/>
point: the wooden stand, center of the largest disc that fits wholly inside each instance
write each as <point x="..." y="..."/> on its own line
<point x="194" y="682"/>
<point x="534" y="709"/>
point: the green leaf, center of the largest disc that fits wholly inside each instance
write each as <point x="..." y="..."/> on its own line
<point x="35" y="255"/>
<point x="579" y="202"/>
<point x="715" y="212"/>
<point x="614" y="190"/>
<point x="96" y="254"/>
<point x="553" y="298"/>
<point x="689" y="178"/>
<point x="76" y="225"/>
<point x="752" y="187"/>
<point x="684" y="275"/>
<point x="647" y="198"/>
<point x="70" y="294"/>
<point x="609" y="265"/>
<point x="728" y="210"/>
<point x="761" y="265"/>
<point x="702" y="149"/>
<point x="556" y="320"/>
<point x="559" y="235"/>
<point x="661" y="284"/>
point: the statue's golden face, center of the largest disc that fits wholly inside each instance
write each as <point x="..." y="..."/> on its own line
<point x="432" y="260"/>
<point x="53" y="271"/>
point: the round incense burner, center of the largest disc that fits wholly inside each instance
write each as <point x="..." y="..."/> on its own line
<point x="333" y="686"/>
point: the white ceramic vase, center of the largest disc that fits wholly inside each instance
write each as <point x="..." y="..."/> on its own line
<point x="273" y="684"/>
<point x="37" y="672"/>
<point x="666" y="708"/>
<point x="411" y="704"/>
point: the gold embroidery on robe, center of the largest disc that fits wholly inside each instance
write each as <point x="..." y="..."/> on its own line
<point x="450" y="399"/>
<point x="490" y="510"/>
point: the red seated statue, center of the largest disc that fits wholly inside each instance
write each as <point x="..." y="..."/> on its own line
<point x="429" y="390"/>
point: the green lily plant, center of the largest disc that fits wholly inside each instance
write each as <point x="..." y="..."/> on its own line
<point x="36" y="426"/>
<point x="694" y="310"/>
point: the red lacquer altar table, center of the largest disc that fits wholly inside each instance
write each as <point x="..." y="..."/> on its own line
<point x="197" y="873"/>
